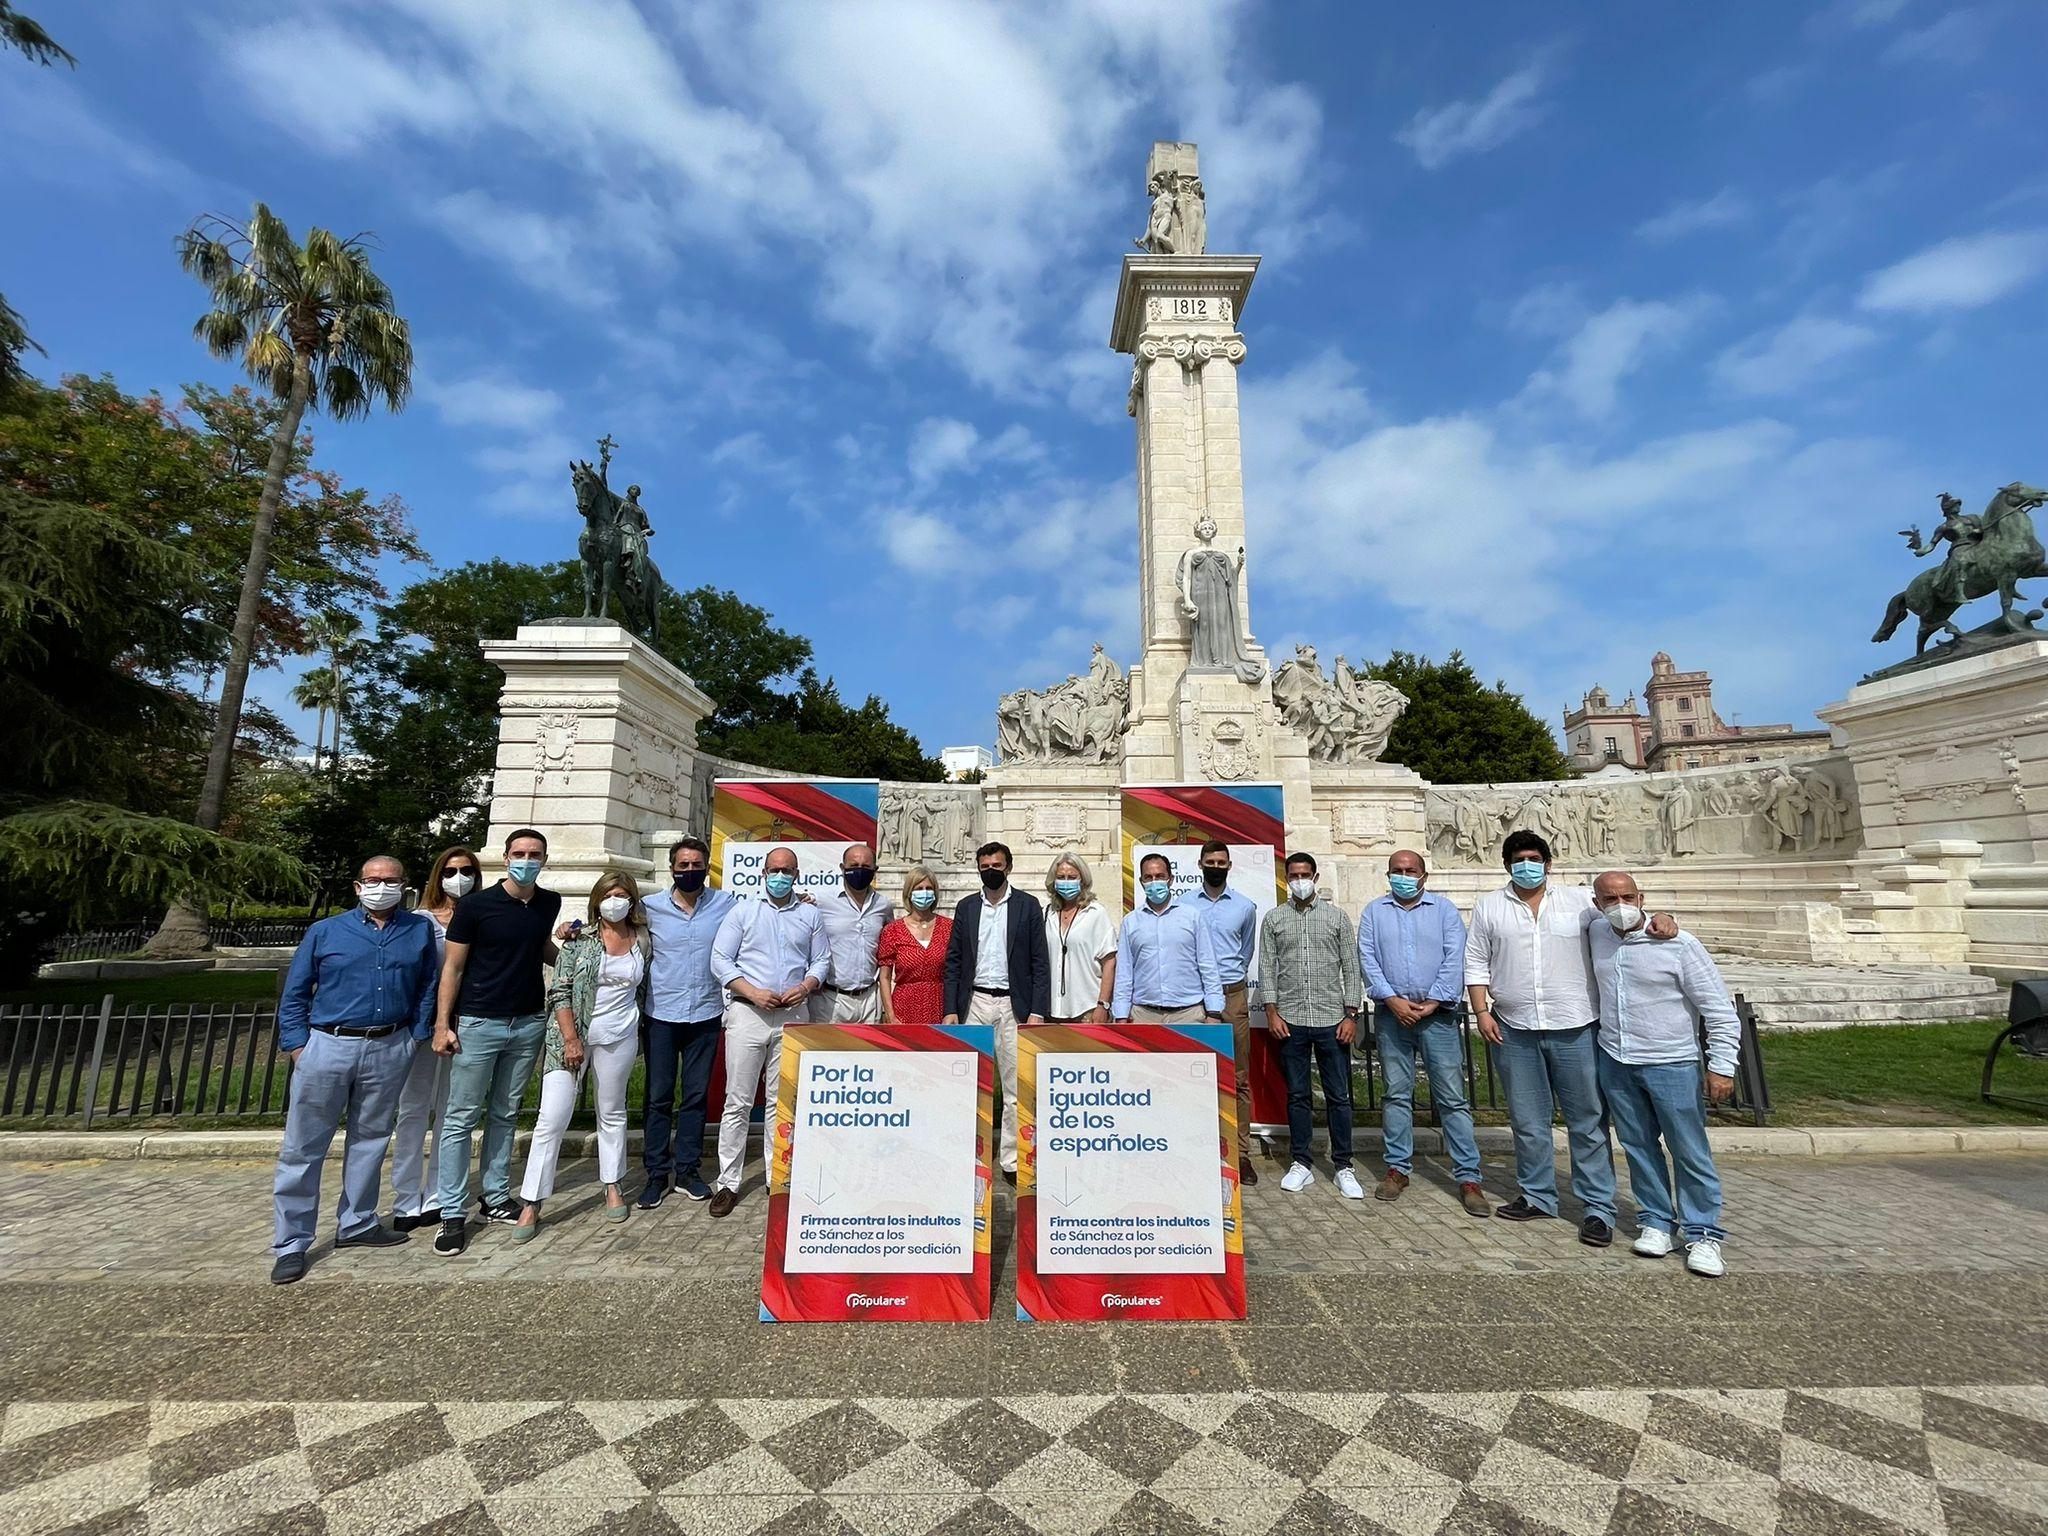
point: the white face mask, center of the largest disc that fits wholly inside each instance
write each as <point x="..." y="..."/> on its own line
<point x="614" y="908"/>
<point x="459" y="886"/>
<point x="1624" y="917"/>
<point x="1302" y="890"/>
<point x="379" y="895"/>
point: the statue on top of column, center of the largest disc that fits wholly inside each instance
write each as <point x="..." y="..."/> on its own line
<point x="1178" y="224"/>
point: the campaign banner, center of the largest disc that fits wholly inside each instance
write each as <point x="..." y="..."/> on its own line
<point x="816" y="819"/>
<point x="879" y="1173"/>
<point x="1175" y="820"/>
<point x="1127" y="1194"/>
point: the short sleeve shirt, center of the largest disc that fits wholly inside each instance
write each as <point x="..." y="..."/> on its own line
<point x="507" y="941"/>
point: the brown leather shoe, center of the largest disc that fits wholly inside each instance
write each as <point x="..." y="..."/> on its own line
<point x="1473" y="1198"/>
<point x="1246" y="1173"/>
<point x="1392" y="1186"/>
<point x="723" y="1201"/>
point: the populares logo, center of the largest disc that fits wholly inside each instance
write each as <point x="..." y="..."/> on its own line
<point x="855" y="1299"/>
<point x="1111" y="1299"/>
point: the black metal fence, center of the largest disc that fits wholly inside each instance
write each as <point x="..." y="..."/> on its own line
<point x="95" y="1062"/>
<point x="112" y="943"/>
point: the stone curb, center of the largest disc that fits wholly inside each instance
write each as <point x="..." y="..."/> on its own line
<point x="1728" y="1141"/>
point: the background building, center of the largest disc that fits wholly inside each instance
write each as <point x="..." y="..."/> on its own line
<point x="1677" y="727"/>
<point x="961" y="761"/>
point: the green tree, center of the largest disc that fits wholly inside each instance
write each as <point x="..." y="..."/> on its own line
<point x="90" y="743"/>
<point x="21" y="33"/>
<point x="317" y="324"/>
<point x="315" y="691"/>
<point x="1456" y="730"/>
<point x="339" y="633"/>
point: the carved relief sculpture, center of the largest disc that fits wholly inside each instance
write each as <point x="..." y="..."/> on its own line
<point x="1345" y="721"/>
<point x="1081" y="719"/>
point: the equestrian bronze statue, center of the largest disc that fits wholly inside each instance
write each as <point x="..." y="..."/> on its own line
<point x="1992" y="552"/>
<point x="613" y="545"/>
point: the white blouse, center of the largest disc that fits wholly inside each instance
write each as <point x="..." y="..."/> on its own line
<point x="1077" y="957"/>
<point x="616" y="1012"/>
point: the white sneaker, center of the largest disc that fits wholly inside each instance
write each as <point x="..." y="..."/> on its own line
<point x="1704" y="1258"/>
<point x="1348" y="1185"/>
<point x="1653" y="1243"/>
<point x="1298" y="1178"/>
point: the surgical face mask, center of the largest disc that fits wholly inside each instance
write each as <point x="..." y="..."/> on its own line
<point x="994" y="879"/>
<point x="859" y="878"/>
<point x="524" y="871"/>
<point x="458" y="886"/>
<point x="1303" y="891"/>
<point x="689" y="880"/>
<point x="1066" y="890"/>
<point x="1526" y="873"/>
<point x="379" y="895"/>
<point x="924" y="898"/>
<point x="1214" y="878"/>
<point x="1407" y="887"/>
<point x="1625" y="917"/>
<point x="1157" y="891"/>
<point x="780" y="884"/>
<point x="613" y="909"/>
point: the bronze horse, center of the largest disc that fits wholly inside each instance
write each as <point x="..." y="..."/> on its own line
<point x="2008" y="553"/>
<point x="615" y="559"/>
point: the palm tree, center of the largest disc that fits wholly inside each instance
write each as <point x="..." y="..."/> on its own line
<point x="315" y="691"/>
<point x="338" y="632"/>
<point x="316" y="323"/>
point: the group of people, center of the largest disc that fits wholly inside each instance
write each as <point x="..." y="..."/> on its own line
<point x="418" y="1027"/>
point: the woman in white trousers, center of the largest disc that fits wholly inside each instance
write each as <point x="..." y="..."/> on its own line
<point x="416" y="1132"/>
<point x="600" y="981"/>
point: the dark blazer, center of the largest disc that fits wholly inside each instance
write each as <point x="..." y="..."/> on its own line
<point x="1030" y="965"/>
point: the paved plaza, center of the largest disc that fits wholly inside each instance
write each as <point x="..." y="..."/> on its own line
<point x="1874" y="1362"/>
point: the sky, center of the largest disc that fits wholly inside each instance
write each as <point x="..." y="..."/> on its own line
<point x="1581" y="332"/>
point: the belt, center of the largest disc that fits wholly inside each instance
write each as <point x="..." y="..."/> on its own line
<point x="848" y="991"/>
<point x="1168" y="1007"/>
<point x="359" y="1034"/>
<point x="993" y="991"/>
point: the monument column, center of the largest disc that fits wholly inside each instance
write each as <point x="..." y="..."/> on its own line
<point x="1177" y="315"/>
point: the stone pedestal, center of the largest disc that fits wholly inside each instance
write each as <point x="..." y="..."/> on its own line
<point x="1365" y="811"/>
<point x="597" y="747"/>
<point x="1045" y="809"/>
<point x="1951" y="767"/>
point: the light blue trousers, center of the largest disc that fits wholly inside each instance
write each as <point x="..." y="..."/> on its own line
<point x="1546" y="1070"/>
<point x="337" y="1078"/>
<point x="1436" y="1040"/>
<point x="1657" y="1109"/>
<point x="486" y="1081"/>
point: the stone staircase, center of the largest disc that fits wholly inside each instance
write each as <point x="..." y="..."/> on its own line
<point x="1791" y="996"/>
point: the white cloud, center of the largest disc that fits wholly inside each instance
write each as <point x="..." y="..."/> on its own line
<point x="54" y="132"/>
<point x="1966" y="272"/>
<point x="1726" y="207"/>
<point x="544" y="252"/>
<point x="1606" y="348"/>
<point x="1439" y="135"/>
<point x="938" y="446"/>
<point x="492" y="400"/>
<point x="1791" y="356"/>
<point x="1957" y="39"/>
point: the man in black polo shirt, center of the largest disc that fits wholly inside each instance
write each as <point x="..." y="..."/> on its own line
<point x="491" y="1016"/>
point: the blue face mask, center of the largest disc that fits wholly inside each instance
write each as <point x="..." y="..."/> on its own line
<point x="1526" y="873"/>
<point x="924" y="898"/>
<point x="1066" y="890"/>
<point x="1157" y="891"/>
<point x="1407" y="887"/>
<point x="525" y="871"/>
<point x="779" y="885"/>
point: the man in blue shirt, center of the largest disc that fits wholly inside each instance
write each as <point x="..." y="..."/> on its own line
<point x="359" y="995"/>
<point x="1165" y="965"/>
<point x="685" y="1008"/>
<point x="1232" y="919"/>
<point x="1411" y="946"/>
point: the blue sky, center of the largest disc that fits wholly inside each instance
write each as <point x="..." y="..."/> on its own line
<point x="1582" y="331"/>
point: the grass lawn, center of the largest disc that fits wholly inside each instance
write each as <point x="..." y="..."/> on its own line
<point x="184" y="987"/>
<point x="1899" y="1074"/>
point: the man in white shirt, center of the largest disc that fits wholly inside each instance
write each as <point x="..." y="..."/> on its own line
<point x="1529" y="980"/>
<point x="1653" y="998"/>
<point x="854" y="917"/>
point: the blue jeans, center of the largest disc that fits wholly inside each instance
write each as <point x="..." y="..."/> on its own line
<point x="336" y="1077"/>
<point x="672" y="1141"/>
<point x="1443" y="1055"/>
<point x="1662" y="1101"/>
<point x="1542" y="1069"/>
<point x="1333" y="1063"/>
<point x="486" y="1081"/>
